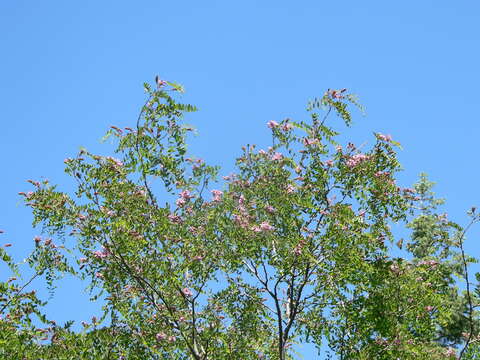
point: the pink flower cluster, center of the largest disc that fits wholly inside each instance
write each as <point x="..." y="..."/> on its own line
<point x="217" y="195"/>
<point x="387" y="138"/>
<point x="298" y="249"/>
<point x="243" y="219"/>
<point x="263" y="227"/>
<point x="290" y="189"/>
<point x="272" y="124"/>
<point x="162" y="336"/>
<point x="309" y="142"/>
<point x="175" y="219"/>
<point x="357" y="159"/>
<point x="381" y="173"/>
<point x="451" y="353"/>
<point x="184" y="196"/>
<point x="428" y="263"/>
<point x="28" y="195"/>
<point x="101" y="254"/>
<point x="277" y="156"/>
<point x="187" y="292"/>
<point x="270" y="209"/>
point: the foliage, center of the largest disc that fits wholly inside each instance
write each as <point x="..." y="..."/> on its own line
<point x="295" y="247"/>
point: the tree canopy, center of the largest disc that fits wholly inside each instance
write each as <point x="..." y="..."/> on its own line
<point x="294" y="247"/>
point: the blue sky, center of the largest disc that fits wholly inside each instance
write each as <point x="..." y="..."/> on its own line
<point x="70" y="69"/>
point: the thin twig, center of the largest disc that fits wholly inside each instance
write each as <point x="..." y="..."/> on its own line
<point x="19" y="291"/>
<point x="467" y="281"/>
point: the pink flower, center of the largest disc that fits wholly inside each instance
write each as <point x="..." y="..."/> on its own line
<point x="241" y="220"/>
<point x="99" y="275"/>
<point x="429" y="308"/>
<point x="299" y="248"/>
<point x="161" y="336"/>
<point x="356" y="160"/>
<point x="270" y="209"/>
<point x="184" y="197"/>
<point x="265" y="226"/>
<point x="287" y="126"/>
<point x="172" y="339"/>
<point x="262" y="152"/>
<point x="187" y="292"/>
<point x="101" y="254"/>
<point x="217" y="195"/>
<point x="185" y="194"/>
<point x="309" y="142"/>
<point x="432" y="263"/>
<point x="329" y="163"/>
<point x="387" y="138"/>
<point x="175" y="219"/>
<point x="180" y="202"/>
<point x="450" y="352"/>
<point x="290" y="188"/>
<point x="241" y="200"/>
<point x="115" y="161"/>
<point x="277" y="156"/>
<point x="272" y="124"/>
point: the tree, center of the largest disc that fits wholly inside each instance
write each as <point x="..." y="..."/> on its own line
<point x="295" y="247"/>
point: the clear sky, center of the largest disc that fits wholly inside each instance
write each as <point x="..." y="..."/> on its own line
<point x="70" y="69"/>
